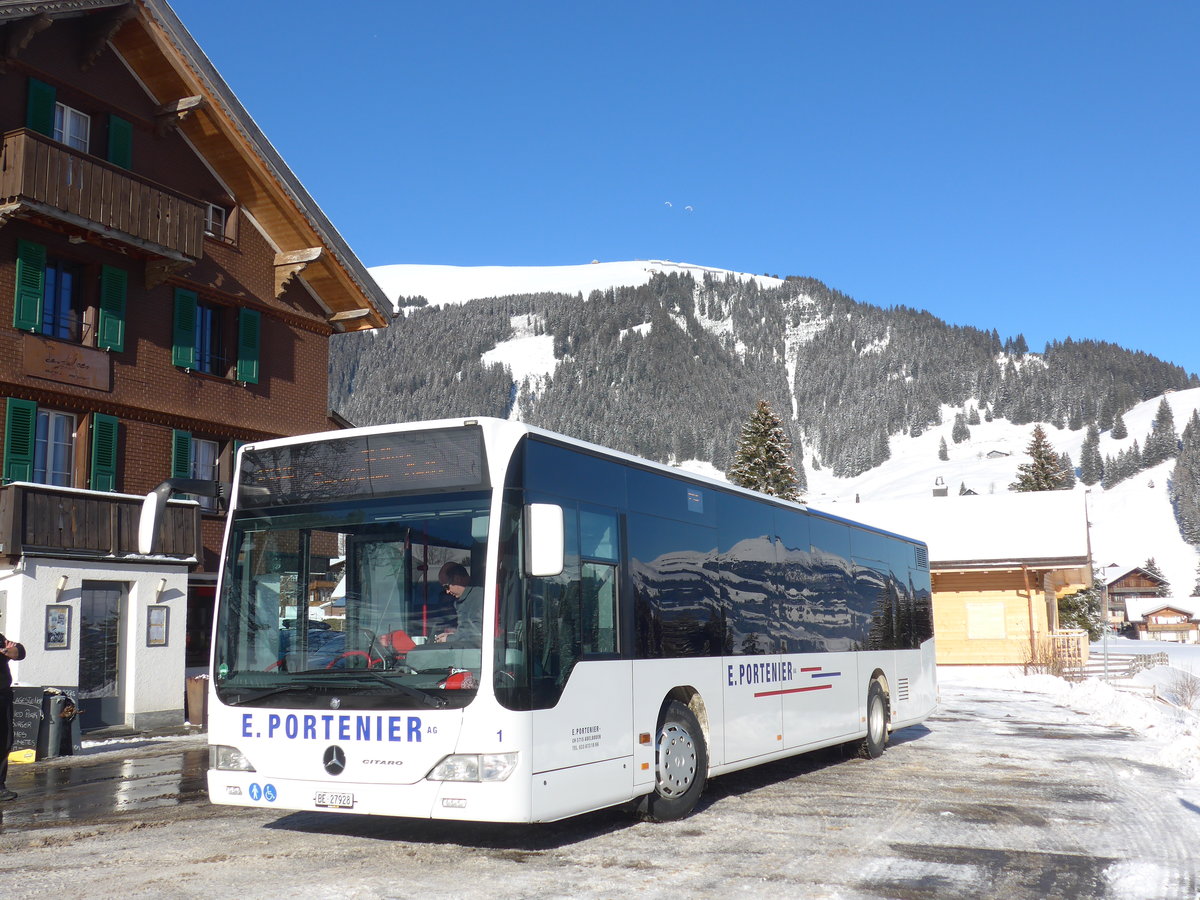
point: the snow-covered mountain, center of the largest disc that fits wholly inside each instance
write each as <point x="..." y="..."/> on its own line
<point x="1130" y="522"/>
<point x="457" y="284"/>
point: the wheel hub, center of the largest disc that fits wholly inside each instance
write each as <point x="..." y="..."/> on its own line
<point x="676" y="760"/>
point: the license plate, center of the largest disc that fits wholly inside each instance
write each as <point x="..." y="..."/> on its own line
<point x="334" y="801"/>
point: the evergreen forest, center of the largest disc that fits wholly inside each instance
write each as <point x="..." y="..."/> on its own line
<point x="670" y="370"/>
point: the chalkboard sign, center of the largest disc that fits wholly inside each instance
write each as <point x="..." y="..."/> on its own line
<point x="27" y="717"/>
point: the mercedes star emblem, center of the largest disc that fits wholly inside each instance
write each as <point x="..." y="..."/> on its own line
<point x="335" y="759"/>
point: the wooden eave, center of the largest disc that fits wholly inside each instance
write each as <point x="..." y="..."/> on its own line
<point x="167" y="60"/>
<point x="1009" y="565"/>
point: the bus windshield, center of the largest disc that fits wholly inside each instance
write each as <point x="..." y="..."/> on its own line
<point x="377" y="603"/>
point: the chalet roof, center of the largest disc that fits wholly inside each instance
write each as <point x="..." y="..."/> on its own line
<point x="157" y="47"/>
<point x="1137" y="608"/>
<point x="1145" y="573"/>
<point x="1041" y="529"/>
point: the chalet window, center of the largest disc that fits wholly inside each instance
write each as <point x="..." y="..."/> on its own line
<point x="62" y="306"/>
<point x="54" y="448"/>
<point x="200" y="340"/>
<point x="40" y="446"/>
<point x="195" y="457"/>
<point x="210" y="348"/>
<point x="214" y="221"/>
<point x="71" y="127"/>
<point x="51" y="300"/>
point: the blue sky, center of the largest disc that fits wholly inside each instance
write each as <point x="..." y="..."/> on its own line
<point x="1025" y="166"/>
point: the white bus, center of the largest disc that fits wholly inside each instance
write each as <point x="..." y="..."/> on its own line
<point x="611" y="630"/>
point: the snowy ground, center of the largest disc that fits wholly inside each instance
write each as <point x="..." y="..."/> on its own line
<point x="1017" y="788"/>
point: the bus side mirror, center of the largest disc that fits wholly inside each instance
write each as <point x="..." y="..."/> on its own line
<point x="151" y="518"/>
<point x="543" y="540"/>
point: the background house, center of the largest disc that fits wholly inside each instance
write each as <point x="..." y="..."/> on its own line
<point x="999" y="563"/>
<point x="167" y="291"/>
<point x="1134" y="583"/>
<point x="1173" y="619"/>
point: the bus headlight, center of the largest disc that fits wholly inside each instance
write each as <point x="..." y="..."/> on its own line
<point x="474" y="767"/>
<point x="230" y="759"/>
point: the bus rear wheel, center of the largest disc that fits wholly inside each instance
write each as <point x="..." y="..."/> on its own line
<point x="680" y="766"/>
<point x="877" y="723"/>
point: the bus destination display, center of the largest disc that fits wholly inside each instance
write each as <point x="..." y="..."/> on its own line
<point x="375" y="465"/>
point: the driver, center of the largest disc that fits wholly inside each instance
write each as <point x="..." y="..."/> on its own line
<point x="468" y="604"/>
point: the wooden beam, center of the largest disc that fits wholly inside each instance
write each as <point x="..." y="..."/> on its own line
<point x="170" y="116"/>
<point x="290" y="263"/>
<point x="103" y="30"/>
<point x="18" y="34"/>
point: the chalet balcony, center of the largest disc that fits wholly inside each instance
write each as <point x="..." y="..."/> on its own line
<point x="43" y="520"/>
<point x="41" y="178"/>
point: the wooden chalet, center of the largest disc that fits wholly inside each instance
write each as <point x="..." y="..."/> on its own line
<point x="1174" y="619"/>
<point x="169" y="289"/>
<point x="1135" y="583"/>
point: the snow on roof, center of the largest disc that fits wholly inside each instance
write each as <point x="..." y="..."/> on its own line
<point x="1137" y="608"/>
<point x="1011" y="527"/>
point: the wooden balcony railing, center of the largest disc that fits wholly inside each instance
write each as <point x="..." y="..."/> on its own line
<point x="50" y="179"/>
<point x="43" y="520"/>
<point x="1070" y="645"/>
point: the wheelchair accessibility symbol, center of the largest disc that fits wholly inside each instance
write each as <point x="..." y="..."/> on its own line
<point x="270" y="793"/>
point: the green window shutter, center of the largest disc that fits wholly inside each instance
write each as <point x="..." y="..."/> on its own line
<point x="104" y="453"/>
<point x="31" y="286"/>
<point x="249" y="326"/>
<point x="181" y="454"/>
<point x="183" y="346"/>
<point x="39" y="109"/>
<point x="110" y="330"/>
<point x="120" y="142"/>
<point x="20" y="432"/>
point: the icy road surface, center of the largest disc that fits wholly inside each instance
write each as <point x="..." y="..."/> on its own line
<point x="1004" y="793"/>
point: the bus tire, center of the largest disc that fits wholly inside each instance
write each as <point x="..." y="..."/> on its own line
<point x="877" y="723"/>
<point x="680" y="766"/>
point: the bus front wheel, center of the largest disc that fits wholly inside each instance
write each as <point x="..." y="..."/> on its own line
<point x="877" y="718"/>
<point x="680" y="766"/>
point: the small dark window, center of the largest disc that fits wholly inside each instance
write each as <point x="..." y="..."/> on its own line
<point x="210" y="344"/>
<point x="62" y="315"/>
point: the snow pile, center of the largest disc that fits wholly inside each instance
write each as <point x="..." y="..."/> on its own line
<point x="1174" y="733"/>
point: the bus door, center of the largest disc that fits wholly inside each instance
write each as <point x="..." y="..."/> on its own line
<point x="581" y="688"/>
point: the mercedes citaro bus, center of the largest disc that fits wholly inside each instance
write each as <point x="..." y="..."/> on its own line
<point x="477" y="619"/>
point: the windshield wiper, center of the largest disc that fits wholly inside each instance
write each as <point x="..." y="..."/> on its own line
<point x="408" y="690"/>
<point x="242" y="698"/>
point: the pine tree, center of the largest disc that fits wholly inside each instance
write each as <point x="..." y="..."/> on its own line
<point x="943" y="450"/>
<point x="763" y="459"/>
<point x="1084" y="609"/>
<point x="1162" y="443"/>
<point x="1196" y="589"/>
<point x="1044" y="471"/>
<point x="1091" y="466"/>
<point x="1185" y="482"/>
<point x="960" y="432"/>
<point x="1119" y="431"/>
<point x="973" y="415"/>
<point x="1164" y="589"/>
<point x="1068" y="467"/>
